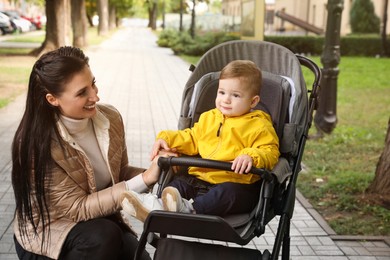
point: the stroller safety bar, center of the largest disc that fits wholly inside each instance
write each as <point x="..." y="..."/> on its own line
<point x="167" y="162"/>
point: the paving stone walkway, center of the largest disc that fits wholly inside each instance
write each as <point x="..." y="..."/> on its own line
<point x="145" y="83"/>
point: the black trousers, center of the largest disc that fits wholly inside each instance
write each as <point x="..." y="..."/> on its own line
<point x="217" y="199"/>
<point x="96" y="239"/>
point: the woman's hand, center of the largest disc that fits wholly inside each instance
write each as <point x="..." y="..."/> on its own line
<point x="161" y="147"/>
<point x="151" y="175"/>
<point x="242" y="164"/>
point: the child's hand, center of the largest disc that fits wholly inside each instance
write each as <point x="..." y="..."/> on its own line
<point x="242" y="164"/>
<point x="159" y="145"/>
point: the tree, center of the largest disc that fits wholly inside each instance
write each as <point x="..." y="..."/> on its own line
<point x="57" y="26"/>
<point x="152" y="11"/>
<point x="91" y="10"/>
<point x="363" y="18"/>
<point x="79" y="23"/>
<point x="384" y="27"/>
<point x="193" y="16"/>
<point x="181" y="16"/>
<point x="112" y="18"/>
<point x="102" y="6"/>
<point x="381" y="183"/>
<point x="119" y="9"/>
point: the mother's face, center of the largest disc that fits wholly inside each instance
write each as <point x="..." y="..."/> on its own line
<point x="78" y="100"/>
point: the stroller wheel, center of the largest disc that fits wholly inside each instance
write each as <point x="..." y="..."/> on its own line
<point x="266" y="255"/>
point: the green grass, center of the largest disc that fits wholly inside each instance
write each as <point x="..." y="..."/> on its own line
<point x="14" y="73"/>
<point x="92" y="36"/>
<point x="27" y="38"/>
<point x="342" y="164"/>
<point x="14" y="51"/>
<point x="15" y="63"/>
<point x="190" y="59"/>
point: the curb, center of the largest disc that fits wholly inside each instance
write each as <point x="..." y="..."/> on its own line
<point x="332" y="234"/>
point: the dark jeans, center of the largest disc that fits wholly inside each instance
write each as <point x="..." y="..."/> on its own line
<point x="219" y="199"/>
<point x="96" y="239"/>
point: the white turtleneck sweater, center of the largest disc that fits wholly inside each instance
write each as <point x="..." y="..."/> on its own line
<point x="82" y="131"/>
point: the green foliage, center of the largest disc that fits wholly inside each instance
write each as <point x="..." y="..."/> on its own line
<point x="298" y="44"/>
<point x="123" y="7"/>
<point x="91" y="7"/>
<point x="167" y="37"/>
<point x="351" y="45"/>
<point x="182" y="43"/>
<point x="363" y="18"/>
<point x="174" y="6"/>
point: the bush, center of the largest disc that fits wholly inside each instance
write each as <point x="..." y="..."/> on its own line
<point x="352" y="45"/>
<point x="308" y="45"/>
<point x="167" y="37"/>
<point x="363" y="18"/>
<point x="182" y="43"/>
<point x="356" y="45"/>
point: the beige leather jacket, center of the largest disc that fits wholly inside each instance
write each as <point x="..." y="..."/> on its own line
<point x="72" y="193"/>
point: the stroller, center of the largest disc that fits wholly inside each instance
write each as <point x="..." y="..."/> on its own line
<point x="284" y="96"/>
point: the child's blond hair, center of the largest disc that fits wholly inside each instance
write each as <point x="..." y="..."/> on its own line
<point x="248" y="73"/>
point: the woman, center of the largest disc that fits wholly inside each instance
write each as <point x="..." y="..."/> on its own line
<point x="70" y="167"/>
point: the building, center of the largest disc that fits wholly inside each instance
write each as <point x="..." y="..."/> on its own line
<point x="312" y="12"/>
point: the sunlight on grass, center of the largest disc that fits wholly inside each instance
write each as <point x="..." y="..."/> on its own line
<point x="28" y="38"/>
<point x="16" y="64"/>
<point x="15" y="51"/>
<point x="14" y="73"/>
<point x="345" y="160"/>
<point x="190" y="59"/>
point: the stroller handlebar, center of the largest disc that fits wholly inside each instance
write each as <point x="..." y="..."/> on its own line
<point x="167" y="162"/>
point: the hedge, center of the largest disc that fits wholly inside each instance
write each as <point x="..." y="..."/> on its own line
<point x="349" y="45"/>
<point x="358" y="45"/>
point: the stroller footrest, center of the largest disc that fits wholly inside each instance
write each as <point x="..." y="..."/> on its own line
<point x="174" y="249"/>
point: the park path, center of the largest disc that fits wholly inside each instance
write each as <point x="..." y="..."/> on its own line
<point x="145" y="82"/>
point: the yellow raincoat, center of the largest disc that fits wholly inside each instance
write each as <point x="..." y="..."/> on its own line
<point x="222" y="138"/>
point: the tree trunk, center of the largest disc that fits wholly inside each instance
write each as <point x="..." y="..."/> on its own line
<point x="384" y="29"/>
<point x="79" y="23"/>
<point x="381" y="183"/>
<point x="193" y="17"/>
<point x="181" y="16"/>
<point x="102" y="6"/>
<point x="57" y="26"/>
<point x="112" y="20"/>
<point x="152" y="15"/>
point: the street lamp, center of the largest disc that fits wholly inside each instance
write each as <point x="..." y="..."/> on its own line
<point x="325" y="118"/>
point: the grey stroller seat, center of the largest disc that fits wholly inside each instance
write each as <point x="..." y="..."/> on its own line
<point x="285" y="97"/>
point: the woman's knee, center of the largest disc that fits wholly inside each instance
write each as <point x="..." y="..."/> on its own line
<point x="93" y="239"/>
<point x="103" y="231"/>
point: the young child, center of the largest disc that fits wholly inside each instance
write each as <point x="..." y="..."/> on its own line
<point x="230" y="132"/>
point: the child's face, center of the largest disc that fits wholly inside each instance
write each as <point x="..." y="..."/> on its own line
<point x="233" y="99"/>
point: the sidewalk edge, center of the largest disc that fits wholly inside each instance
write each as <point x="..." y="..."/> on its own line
<point x="332" y="234"/>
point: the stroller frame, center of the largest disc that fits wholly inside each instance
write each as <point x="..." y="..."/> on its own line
<point x="277" y="195"/>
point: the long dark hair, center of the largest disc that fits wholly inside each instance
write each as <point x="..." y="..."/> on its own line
<point x="31" y="148"/>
